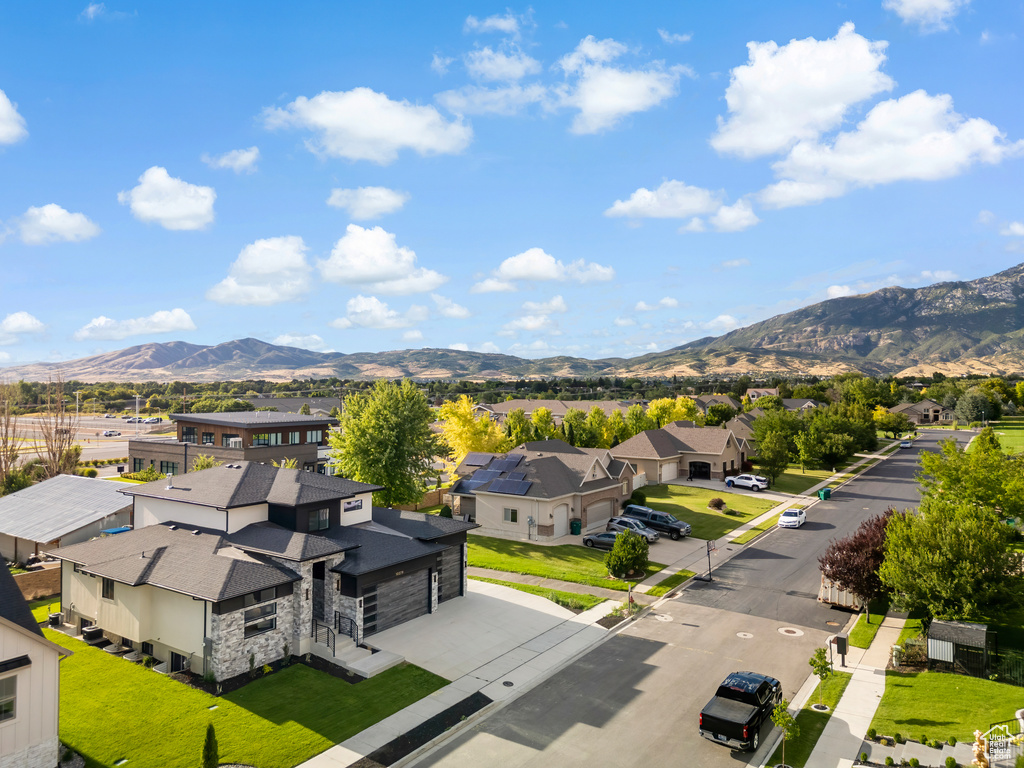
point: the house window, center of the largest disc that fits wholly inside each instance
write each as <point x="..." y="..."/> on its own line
<point x="8" y="697"/>
<point x="255" y="614"/>
<point x="108" y="589"/>
<point x="511" y="515"/>
<point x="353" y="505"/>
<point x="260" y="597"/>
<point x="293" y="438"/>
<point x="168" y="467"/>
<point x="207" y="438"/>
<point x="147" y="648"/>
<point x="137" y="465"/>
<point x="225" y="439"/>
<point x="261" y="439"/>
<point x="319" y="519"/>
<point x="260" y="626"/>
<point x="315" y="436"/>
<point x="188" y="435"/>
<point x="625" y="488"/>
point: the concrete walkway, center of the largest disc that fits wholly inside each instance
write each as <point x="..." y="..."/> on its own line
<point x="562" y="586"/>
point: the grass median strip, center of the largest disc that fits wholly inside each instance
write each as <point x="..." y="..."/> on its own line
<point x="757" y="530"/>
<point x="666" y="585"/>
<point x="864" y="631"/>
<point x="565" y="562"/>
<point x="571" y="600"/>
<point x="112" y="710"/>
<point x="811" y="722"/>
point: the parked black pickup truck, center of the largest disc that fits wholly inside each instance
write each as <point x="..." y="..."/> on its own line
<point x="741" y="706"/>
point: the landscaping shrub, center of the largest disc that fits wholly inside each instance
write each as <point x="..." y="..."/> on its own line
<point x="872" y="733"/>
<point x="629" y="556"/>
<point x="90" y="472"/>
<point x="924" y="739"/>
<point x="863" y="757"/>
<point x="951" y="741"/>
<point x="899" y="738"/>
<point x="267" y="669"/>
<point x="951" y="762"/>
<point x="936" y="744"/>
<point x="914" y="762"/>
<point x="890" y="761"/>
<point x="974" y="425"/>
<point x="146" y="475"/>
<point x="446" y="511"/>
<point x="716" y="504"/>
<point x="638" y="497"/>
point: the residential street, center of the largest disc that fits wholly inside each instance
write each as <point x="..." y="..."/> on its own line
<point x="634" y="700"/>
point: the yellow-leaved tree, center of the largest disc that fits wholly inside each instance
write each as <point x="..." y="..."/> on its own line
<point x="462" y="431"/>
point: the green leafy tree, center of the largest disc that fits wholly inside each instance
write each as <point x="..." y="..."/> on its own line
<point x="543" y="423"/>
<point x="952" y="558"/>
<point x="384" y="438"/>
<point x="719" y="413"/>
<point x="661" y="411"/>
<point x="786" y="723"/>
<point x="15" y="480"/>
<point x="974" y="405"/>
<point x="211" y="752"/>
<point x="574" y="426"/>
<point x="765" y="403"/>
<point x="597" y="428"/>
<point x="809" y="449"/>
<point x="335" y="412"/>
<point x="518" y="428"/>
<point x="304" y="410"/>
<point x="616" y="430"/>
<point x="772" y="455"/>
<point x="786" y="424"/>
<point x="822" y="668"/>
<point x="894" y="424"/>
<point x="204" y="461"/>
<point x="628" y="556"/>
<point x="985" y="476"/>
<point x="637" y="420"/>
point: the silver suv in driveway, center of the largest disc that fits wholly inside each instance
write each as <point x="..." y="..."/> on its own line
<point x="628" y="524"/>
<point x="753" y="482"/>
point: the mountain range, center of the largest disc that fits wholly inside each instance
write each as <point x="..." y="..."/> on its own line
<point x="954" y="327"/>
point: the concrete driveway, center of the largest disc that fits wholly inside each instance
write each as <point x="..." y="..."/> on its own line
<point x="469" y="632"/>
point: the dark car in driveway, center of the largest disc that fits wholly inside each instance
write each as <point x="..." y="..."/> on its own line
<point x="659" y="521"/>
<point x="739" y="710"/>
<point x="602" y="540"/>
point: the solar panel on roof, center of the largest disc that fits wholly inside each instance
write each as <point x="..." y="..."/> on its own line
<point x="522" y="487"/>
<point x="499" y="486"/>
<point x="515" y="458"/>
<point x="516" y="475"/>
<point x="485" y="475"/>
<point x="476" y="459"/>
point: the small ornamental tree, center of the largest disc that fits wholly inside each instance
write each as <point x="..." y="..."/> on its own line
<point x="822" y="667"/>
<point x="304" y="410"/>
<point x="786" y="723"/>
<point x="628" y="556"/>
<point x="211" y="757"/>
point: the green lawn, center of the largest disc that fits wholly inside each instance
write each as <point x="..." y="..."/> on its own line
<point x="112" y="710"/>
<point x="811" y="722"/>
<point x="940" y="705"/>
<point x="566" y="562"/>
<point x="757" y="530"/>
<point x="41" y="609"/>
<point x="1010" y="431"/>
<point x="864" y="631"/>
<point x="571" y="600"/>
<point x="911" y="628"/>
<point x="690" y="504"/>
<point x="667" y="584"/>
<point x="795" y="481"/>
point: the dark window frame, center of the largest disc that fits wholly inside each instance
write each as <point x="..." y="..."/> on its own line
<point x="8" y="701"/>
<point x="107" y="589"/>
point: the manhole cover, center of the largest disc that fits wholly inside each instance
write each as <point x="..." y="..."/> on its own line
<point x="744" y="635"/>
<point x="662" y="617"/>
<point x="791" y="631"/>
<point x="508" y="683"/>
<point x="832" y="623"/>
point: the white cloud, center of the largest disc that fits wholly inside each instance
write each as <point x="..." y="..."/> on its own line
<point x="722" y="323"/>
<point x="915" y="137"/>
<point x="266" y="272"/>
<point x="696" y="224"/>
<point x="18" y="323"/>
<point x="309" y="341"/>
<point x="624" y="322"/>
<point x="534" y="347"/>
<point x="413" y="335"/>
<point x="986" y="217"/>
<point x="459" y="347"/>
<point x="448" y="308"/>
<point x="1013" y="229"/>
<point x="492" y="285"/>
<point x="4" y="356"/>
<point x="536" y="265"/>
<point x="477" y="100"/>
<point x="371" y="258"/>
<point x="163" y="321"/>
<point x="507" y="24"/>
<point x="837" y="291"/>
<point x="169" y="201"/>
<point x="238" y="160"/>
<point x="489" y="347"/>
<point x="796" y="91"/>
<point x="938" y="275"/>
<point x="735" y="217"/>
<point x="672" y="200"/>
<point x="736" y="263"/>
<point x="12" y="124"/>
<point x="604" y="94"/>
<point x="674" y="37"/>
<point x="440" y="64"/>
<point x="371" y="312"/>
<point x="488" y="64"/>
<point x="52" y="224"/>
<point x="92" y="11"/>
<point x="929" y="15"/>
<point x="666" y="303"/>
<point x="362" y="124"/>
<point x="531" y="323"/>
<point x="555" y="305"/>
<point x="368" y="202"/>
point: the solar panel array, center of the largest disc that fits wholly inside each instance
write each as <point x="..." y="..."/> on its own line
<point x="508" y="463"/>
<point x="512" y="487"/>
<point x="516" y="476"/>
<point x="476" y="459"/>
<point x="480" y="477"/>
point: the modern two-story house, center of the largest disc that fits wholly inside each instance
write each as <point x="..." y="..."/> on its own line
<point x="262" y="436"/>
<point x="250" y="561"/>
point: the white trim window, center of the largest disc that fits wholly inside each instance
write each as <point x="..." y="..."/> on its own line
<point x="510" y="515"/>
<point x="8" y="698"/>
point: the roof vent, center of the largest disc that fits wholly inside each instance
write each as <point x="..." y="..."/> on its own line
<point x="170" y="481"/>
<point x="195" y="533"/>
<point x="173" y="527"/>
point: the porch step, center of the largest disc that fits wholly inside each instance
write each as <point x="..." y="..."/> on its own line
<point x="373" y="663"/>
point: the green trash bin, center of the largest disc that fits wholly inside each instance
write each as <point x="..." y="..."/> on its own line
<point x="575" y="527"/>
<point x="825" y="494"/>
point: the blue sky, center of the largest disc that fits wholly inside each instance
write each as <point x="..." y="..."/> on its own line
<point x="590" y="179"/>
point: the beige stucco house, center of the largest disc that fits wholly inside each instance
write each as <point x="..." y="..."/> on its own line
<point x="681" y="449"/>
<point x="925" y="412"/>
<point x="29" y="684"/>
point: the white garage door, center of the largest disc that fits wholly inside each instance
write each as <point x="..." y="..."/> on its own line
<point x="669" y="472"/>
<point x="598" y="514"/>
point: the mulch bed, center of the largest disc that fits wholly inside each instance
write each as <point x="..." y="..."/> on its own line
<point x="232" y="684"/>
<point x="409" y="742"/>
<point x="610" y="621"/>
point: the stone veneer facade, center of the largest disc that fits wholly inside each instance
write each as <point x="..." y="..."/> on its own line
<point x="302" y="619"/>
<point x="231" y="649"/>
<point x="43" y="755"/>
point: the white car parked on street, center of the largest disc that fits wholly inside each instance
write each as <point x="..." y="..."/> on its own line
<point x="753" y="482"/>
<point x="792" y="518"/>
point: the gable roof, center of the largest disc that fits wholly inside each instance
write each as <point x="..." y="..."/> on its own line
<point x="193" y="561"/>
<point x="705" y="401"/>
<point x="254" y="419"/>
<point x="13" y="605"/>
<point x="269" y="538"/>
<point x="799" y="403"/>
<point x="918" y="407"/>
<point x="672" y="440"/>
<point x="245" y="483"/>
<point x="46" y="511"/>
<point x="369" y="549"/>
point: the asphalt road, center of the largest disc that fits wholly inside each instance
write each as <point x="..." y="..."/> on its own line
<point x="634" y="700"/>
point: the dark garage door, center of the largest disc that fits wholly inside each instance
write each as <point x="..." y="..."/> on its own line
<point x="397" y="600"/>
<point x="449" y="582"/>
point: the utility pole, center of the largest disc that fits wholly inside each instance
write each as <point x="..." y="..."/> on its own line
<point x="77" y="393"/>
<point x="136" y="415"/>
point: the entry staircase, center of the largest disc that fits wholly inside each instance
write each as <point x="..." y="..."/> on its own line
<point x="339" y="647"/>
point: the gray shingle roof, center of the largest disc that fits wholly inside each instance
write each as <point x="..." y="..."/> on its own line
<point x="254" y="419"/>
<point x="13" y="606"/>
<point x="418" y="525"/>
<point x="672" y="440"/>
<point x="245" y="483"/>
<point x="374" y="550"/>
<point x="172" y="557"/>
<point x="56" y="507"/>
<point x="270" y="539"/>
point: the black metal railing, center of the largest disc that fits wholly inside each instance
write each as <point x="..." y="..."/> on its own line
<point x="343" y="625"/>
<point x="323" y="634"/>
